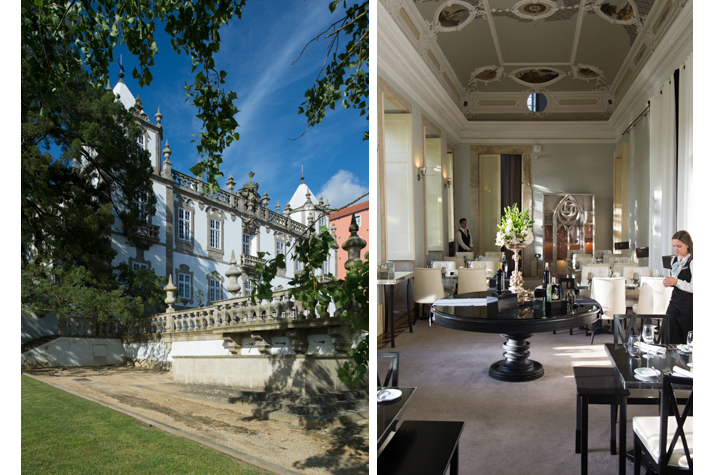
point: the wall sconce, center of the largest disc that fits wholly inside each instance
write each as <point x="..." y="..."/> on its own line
<point x="421" y="173"/>
<point x="447" y="183"/>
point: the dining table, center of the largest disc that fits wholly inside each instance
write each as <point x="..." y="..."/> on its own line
<point x="388" y="284"/>
<point x="483" y="312"/>
<point x="626" y="365"/>
<point x="389" y="413"/>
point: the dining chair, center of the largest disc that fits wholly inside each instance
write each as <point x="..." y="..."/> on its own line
<point x="664" y="443"/>
<point x="428" y="286"/>
<point x="610" y="294"/>
<point x="493" y="253"/>
<point x="467" y="255"/>
<point x="392" y="374"/>
<point x="628" y="272"/>
<point x="654" y="297"/>
<point x="578" y="258"/>
<point x="459" y="261"/>
<point x="449" y="284"/>
<point x="626" y="325"/>
<point x="600" y="252"/>
<point x="472" y="280"/>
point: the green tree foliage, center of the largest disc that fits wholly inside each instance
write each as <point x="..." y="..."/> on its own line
<point x="345" y="78"/>
<point x="73" y="41"/>
<point x="142" y="288"/>
<point x="350" y="296"/>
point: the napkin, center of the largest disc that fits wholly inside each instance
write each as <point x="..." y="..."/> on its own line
<point x="650" y="348"/>
<point x="480" y="302"/>
<point x="678" y="371"/>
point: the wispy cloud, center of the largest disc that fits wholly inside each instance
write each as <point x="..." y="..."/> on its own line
<point x="342" y="188"/>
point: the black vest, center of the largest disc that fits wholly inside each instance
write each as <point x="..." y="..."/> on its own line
<point x="684" y="274"/>
<point x="466" y="238"/>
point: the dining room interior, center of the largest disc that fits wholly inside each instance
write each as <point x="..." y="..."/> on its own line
<point x="579" y="113"/>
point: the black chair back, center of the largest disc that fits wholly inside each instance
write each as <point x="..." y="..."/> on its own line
<point x="670" y="408"/>
<point x="392" y="375"/>
<point x="632" y="324"/>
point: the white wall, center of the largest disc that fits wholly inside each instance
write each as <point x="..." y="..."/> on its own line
<point x="576" y="168"/>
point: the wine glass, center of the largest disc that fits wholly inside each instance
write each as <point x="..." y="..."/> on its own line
<point x="689" y="340"/>
<point x="636" y="278"/>
<point x="647" y="334"/>
<point x="611" y="272"/>
<point x="589" y="278"/>
<point x="633" y="351"/>
<point x="655" y="273"/>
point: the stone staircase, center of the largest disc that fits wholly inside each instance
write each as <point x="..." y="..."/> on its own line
<point x="37" y="342"/>
<point x="308" y="411"/>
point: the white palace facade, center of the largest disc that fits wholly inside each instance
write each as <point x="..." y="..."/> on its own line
<point x="194" y="235"/>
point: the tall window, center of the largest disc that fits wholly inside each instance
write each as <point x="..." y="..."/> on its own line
<point x="247" y="287"/>
<point x="184" y="286"/>
<point x="280" y="247"/>
<point x="215" y="233"/>
<point x="246" y="243"/>
<point x="325" y="267"/>
<point x="321" y="223"/>
<point x="184" y="218"/>
<point x="140" y="265"/>
<point x="215" y="290"/>
<point x="142" y="204"/>
<point x="298" y="265"/>
<point x="141" y="141"/>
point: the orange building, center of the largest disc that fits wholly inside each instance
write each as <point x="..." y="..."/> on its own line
<point x="341" y="221"/>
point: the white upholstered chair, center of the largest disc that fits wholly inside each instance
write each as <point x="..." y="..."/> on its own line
<point x="428" y="286"/>
<point x="449" y="284"/>
<point x="576" y="263"/>
<point x="599" y="252"/>
<point x="611" y="295"/>
<point x="628" y="272"/>
<point x="456" y="259"/>
<point x="493" y="253"/>
<point x="467" y="255"/>
<point x="472" y="280"/>
<point x="619" y="269"/>
<point x="653" y="297"/>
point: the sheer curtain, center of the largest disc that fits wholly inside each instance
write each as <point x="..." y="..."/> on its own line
<point x="685" y="146"/>
<point x="663" y="173"/>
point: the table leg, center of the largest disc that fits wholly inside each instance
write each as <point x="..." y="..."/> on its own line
<point x="391" y="311"/>
<point x="409" y="319"/>
<point x="516" y="366"/>
<point x="585" y="431"/>
<point x="622" y="437"/>
<point x="454" y="464"/>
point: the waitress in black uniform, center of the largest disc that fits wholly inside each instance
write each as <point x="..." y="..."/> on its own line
<point x="680" y="307"/>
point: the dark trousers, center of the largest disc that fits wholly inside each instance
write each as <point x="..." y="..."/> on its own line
<point x="681" y="319"/>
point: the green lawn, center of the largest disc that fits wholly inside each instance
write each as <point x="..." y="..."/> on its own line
<point x="63" y="433"/>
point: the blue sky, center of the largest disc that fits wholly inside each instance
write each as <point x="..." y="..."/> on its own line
<point x="258" y="51"/>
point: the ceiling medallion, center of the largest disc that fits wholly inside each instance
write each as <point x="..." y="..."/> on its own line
<point x="537" y="77"/>
<point x="453" y="15"/>
<point x="485" y="74"/>
<point x="587" y="72"/>
<point x="623" y="12"/>
<point x="535" y="10"/>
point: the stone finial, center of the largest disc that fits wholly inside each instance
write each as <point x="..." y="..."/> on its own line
<point x="170" y="290"/>
<point x="108" y="84"/>
<point x="287" y="210"/>
<point x="233" y="274"/>
<point x="231" y="183"/>
<point x="278" y="207"/>
<point x="310" y="219"/>
<point x="353" y="245"/>
<point x="265" y="200"/>
<point x="320" y="201"/>
<point x="167" y="164"/>
<point x="159" y="118"/>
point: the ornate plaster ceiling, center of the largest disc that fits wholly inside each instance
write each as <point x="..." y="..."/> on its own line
<point x="491" y="54"/>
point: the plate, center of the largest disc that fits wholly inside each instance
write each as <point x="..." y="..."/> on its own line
<point x="647" y="372"/>
<point x="389" y="395"/>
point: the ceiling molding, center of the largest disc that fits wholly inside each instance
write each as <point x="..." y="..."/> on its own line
<point x="663" y="59"/>
<point x="509" y="132"/>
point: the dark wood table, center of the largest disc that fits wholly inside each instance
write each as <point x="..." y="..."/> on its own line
<point x="390" y="413"/>
<point x="625" y="364"/>
<point x="484" y="318"/>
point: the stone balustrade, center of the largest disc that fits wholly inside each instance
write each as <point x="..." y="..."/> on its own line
<point x="87" y="328"/>
<point x="247" y="260"/>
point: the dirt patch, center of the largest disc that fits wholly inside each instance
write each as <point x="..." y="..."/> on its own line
<point x="337" y="450"/>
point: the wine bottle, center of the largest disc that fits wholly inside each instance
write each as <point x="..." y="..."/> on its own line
<point x="500" y="279"/>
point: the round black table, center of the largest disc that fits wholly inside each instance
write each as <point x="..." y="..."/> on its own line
<point x="482" y="316"/>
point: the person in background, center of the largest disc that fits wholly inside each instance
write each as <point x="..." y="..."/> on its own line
<point x="463" y="237"/>
<point x="680" y="308"/>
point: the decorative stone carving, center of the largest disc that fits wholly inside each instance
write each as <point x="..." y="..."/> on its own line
<point x="353" y="245"/>
<point x="233" y="274"/>
<point x="170" y="289"/>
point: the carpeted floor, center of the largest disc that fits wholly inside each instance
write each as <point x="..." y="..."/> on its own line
<point x="509" y="427"/>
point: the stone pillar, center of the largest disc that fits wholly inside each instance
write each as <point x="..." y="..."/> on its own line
<point x="353" y="245"/>
<point x="167" y="164"/>
<point x="170" y="290"/>
<point x="233" y="274"/>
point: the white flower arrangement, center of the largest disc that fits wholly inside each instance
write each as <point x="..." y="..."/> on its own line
<point x="515" y="228"/>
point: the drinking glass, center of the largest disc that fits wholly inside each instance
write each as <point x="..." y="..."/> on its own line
<point x="611" y="272"/>
<point x="655" y="273"/>
<point x="589" y="278"/>
<point x="689" y="340"/>
<point x="647" y="334"/>
<point x="636" y="278"/>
